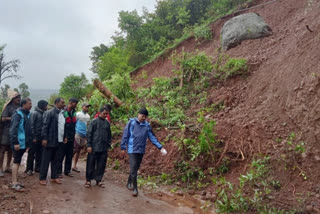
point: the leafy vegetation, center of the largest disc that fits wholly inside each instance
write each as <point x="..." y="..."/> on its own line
<point x="74" y="86"/>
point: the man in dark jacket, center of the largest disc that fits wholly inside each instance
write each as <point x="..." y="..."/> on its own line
<point x="99" y="141"/>
<point x="20" y="138"/>
<point x="34" y="153"/>
<point x="66" y="149"/>
<point x="52" y="135"/>
<point x="134" y="140"/>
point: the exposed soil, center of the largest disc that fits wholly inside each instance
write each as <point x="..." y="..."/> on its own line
<point x="280" y="96"/>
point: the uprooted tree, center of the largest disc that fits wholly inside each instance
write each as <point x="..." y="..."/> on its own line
<point x="106" y="92"/>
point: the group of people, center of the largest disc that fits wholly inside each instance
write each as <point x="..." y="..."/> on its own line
<point x="56" y="136"/>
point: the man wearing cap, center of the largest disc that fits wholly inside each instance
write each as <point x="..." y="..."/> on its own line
<point x="8" y="109"/>
<point x="35" y="151"/>
<point x="134" y="140"/>
<point x="66" y="148"/>
<point x="80" y="138"/>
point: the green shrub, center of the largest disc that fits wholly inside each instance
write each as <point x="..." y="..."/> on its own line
<point x="202" y="32"/>
<point x="192" y="65"/>
<point x="227" y="67"/>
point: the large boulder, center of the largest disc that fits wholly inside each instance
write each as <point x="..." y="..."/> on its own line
<point x="243" y="27"/>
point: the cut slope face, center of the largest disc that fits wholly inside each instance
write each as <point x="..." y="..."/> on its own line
<point x="280" y="96"/>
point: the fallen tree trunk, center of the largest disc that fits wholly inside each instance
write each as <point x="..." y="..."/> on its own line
<point x="107" y="93"/>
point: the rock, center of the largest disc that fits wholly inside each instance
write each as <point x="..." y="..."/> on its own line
<point x="203" y="197"/>
<point x="317" y="158"/>
<point x="243" y="27"/>
<point x="203" y="193"/>
<point x="160" y="194"/>
<point x="22" y="205"/>
<point x="45" y="211"/>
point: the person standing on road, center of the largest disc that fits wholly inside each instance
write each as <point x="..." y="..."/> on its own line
<point x="66" y="149"/>
<point x="99" y="141"/>
<point x="134" y="140"/>
<point x="34" y="153"/>
<point x="9" y="108"/>
<point x="80" y="139"/>
<point x="52" y="135"/>
<point x="107" y="106"/>
<point x="21" y="138"/>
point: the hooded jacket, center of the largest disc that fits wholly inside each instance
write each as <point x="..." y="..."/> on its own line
<point x="135" y="136"/>
<point x="20" y="129"/>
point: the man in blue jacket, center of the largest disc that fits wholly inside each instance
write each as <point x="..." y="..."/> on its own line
<point x="134" y="140"/>
<point x="20" y="138"/>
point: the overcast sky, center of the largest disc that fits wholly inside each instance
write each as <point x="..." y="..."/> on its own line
<point x="54" y="38"/>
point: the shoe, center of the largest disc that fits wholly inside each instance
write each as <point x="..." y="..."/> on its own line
<point x="130" y="186"/>
<point x="60" y="176"/>
<point x="1" y="174"/>
<point x="29" y="172"/>
<point x="135" y="193"/>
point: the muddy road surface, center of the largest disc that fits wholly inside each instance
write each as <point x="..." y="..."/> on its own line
<point x="73" y="197"/>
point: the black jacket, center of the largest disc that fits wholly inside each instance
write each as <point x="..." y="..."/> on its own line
<point x="36" y="120"/>
<point x="20" y="129"/>
<point x="50" y="127"/>
<point x="99" y="135"/>
<point x="70" y="125"/>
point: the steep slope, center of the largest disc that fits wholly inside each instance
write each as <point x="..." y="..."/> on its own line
<point x="280" y="96"/>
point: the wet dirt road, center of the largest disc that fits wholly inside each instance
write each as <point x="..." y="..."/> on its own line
<point x="73" y="197"/>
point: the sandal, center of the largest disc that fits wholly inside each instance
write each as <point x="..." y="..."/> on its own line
<point x="43" y="182"/>
<point x="100" y="184"/>
<point x="87" y="184"/>
<point x="17" y="188"/>
<point x="21" y="184"/>
<point x="69" y="174"/>
<point x="75" y="169"/>
<point x="57" y="181"/>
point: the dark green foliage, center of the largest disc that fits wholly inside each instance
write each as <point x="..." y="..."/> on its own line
<point x="74" y="86"/>
<point x="145" y="36"/>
